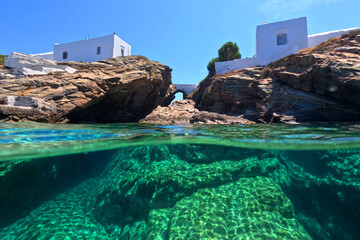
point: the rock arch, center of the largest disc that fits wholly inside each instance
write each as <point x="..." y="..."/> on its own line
<point x="184" y="93"/>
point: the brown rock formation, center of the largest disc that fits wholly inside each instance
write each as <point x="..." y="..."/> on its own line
<point x="184" y="112"/>
<point x="320" y="84"/>
<point x="123" y="89"/>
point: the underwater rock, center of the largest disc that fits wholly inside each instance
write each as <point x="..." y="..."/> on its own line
<point x="152" y="181"/>
<point x="61" y="218"/>
<point x="183" y="191"/>
<point x="318" y="186"/>
<point x="248" y="207"/>
<point x="26" y="184"/>
<point x="251" y="208"/>
<point x="141" y="179"/>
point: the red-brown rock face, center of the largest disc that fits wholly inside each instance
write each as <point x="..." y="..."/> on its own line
<point x="123" y="89"/>
<point x="184" y="112"/>
<point x="321" y="84"/>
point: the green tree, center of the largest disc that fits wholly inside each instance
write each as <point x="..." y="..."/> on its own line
<point x="2" y="59"/>
<point x="229" y="51"/>
<point x="211" y="64"/>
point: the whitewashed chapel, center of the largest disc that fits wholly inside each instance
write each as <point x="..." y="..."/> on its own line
<point x="278" y="40"/>
<point x="89" y="50"/>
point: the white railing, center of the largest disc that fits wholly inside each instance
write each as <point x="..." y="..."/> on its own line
<point x="228" y="66"/>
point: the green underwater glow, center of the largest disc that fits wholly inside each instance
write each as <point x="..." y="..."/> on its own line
<point x="179" y="182"/>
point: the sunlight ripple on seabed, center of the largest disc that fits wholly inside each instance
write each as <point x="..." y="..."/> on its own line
<point x="179" y="182"/>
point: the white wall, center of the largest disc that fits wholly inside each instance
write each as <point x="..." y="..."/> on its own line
<point x="266" y="38"/>
<point x="24" y="64"/>
<point x="237" y="64"/>
<point x="18" y="60"/>
<point x="121" y="44"/>
<point x="47" y="55"/>
<point x="267" y="49"/>
<point x="279" y="55"/>
<point x="316" y="39"/>
<point x="86" y="50"/>
<point x="188" y="88"/>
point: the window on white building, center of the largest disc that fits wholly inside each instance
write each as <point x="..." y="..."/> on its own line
<point x="65" y="55"/>
<point x="98" y="50"/>
<point x="281" y="39"/>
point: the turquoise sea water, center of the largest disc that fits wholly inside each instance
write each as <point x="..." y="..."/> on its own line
<point x="137" y="181"/>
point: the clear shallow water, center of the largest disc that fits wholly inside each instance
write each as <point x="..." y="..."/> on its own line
<point x="134" y="181"/>
<point x="42" y="140"/>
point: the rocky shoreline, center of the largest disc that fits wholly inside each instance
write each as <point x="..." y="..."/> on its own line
<point x="123" y="89"/>
<point x="319" y="84"/>
<point x="184" y="112"/>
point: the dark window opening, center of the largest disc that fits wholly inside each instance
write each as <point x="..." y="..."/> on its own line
<point x="65" y="55"/>
<point x="98" y="51"/>
<point x="122" y="52"/>
<point x="281" y="39"/>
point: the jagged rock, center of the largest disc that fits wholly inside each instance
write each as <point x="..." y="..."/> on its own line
<point x="24" y="64"/>
<point x="230" y="94"/>
<point x="123" y="89"/>
<point x="320" y="84"/>
<point x="348" y="49"/>
<point x="34" y="109"/>
<point x="6" y="75"/>
<point x="184" y="112"/>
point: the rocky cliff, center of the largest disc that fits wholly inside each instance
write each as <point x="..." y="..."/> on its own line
<point x="184" y="112"/>
<point x="123" y="89"/>
<point x="319" y="84"/>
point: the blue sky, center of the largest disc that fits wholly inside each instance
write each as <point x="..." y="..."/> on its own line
<point x="183" y="34"/>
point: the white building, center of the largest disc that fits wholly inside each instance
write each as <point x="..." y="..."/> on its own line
<point x="89" y="50"/>
<point x="318" y="38"/>
<point x="278" y="40"/>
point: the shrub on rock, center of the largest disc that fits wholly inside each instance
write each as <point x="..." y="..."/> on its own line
<point x="229" y="51"/>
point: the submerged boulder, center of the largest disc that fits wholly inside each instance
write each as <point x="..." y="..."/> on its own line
<point x="60" y="218"/>
<point x="170" y="192"/>
<point x="182" y="191"/>
<point x="251" y="208"/>
<point x="28" y="183"/>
